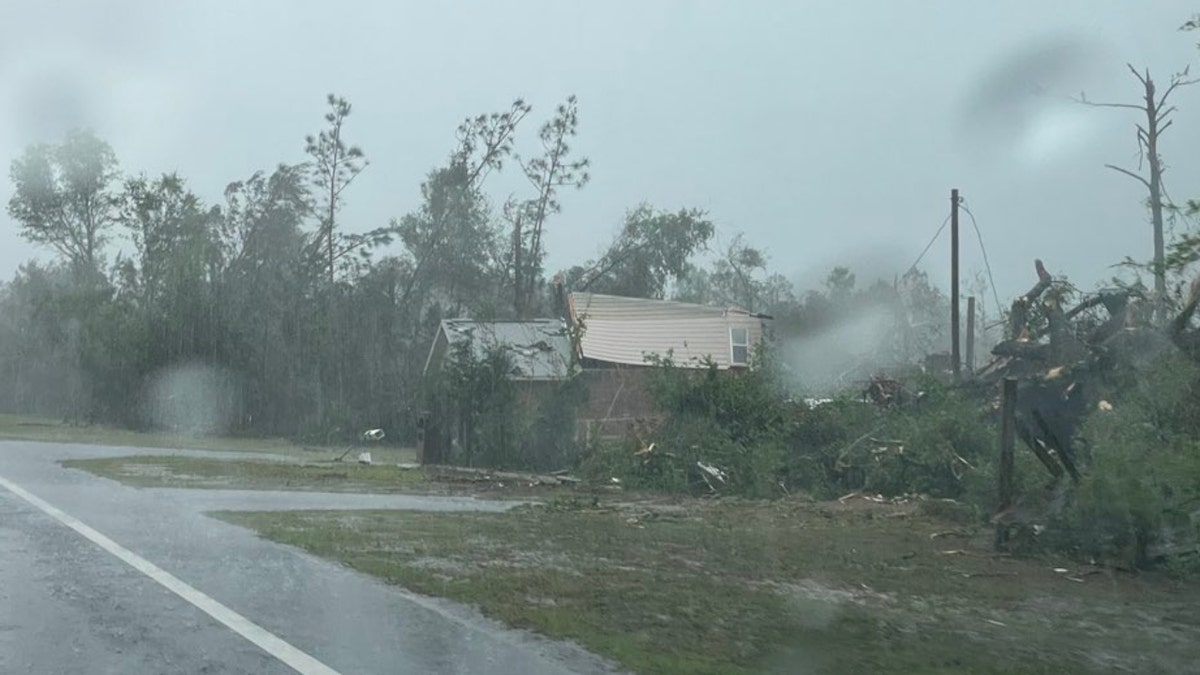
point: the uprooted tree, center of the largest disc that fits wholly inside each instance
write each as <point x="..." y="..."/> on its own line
<point x="1068" y="356"/>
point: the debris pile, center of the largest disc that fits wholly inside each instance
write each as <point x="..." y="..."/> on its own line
<point x="1061" y="355"/>
<point x="498" y="478"/>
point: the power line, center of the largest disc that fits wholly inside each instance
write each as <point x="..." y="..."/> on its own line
<point x="928" y="246"/>
<point x="986" y="264"/>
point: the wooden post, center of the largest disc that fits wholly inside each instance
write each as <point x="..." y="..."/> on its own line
<point x="971" y="335"/>
<point x="955" y="354"/>
<point x="1008" y="416"/>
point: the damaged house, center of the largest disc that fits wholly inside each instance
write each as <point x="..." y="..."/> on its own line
<point x="540" y="354"/>
<point x="609" y="342"/>
<point x="618" y="336"/>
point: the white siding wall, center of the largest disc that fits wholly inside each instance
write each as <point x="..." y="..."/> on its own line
<point x="624" y="330"/>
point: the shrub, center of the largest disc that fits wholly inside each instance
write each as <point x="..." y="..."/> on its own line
<point x="1140" y="493"/>
<point x="499" y="424"/>
<point x="937" y="444"/>
<point x="550" y="438"/>
<point x="732" y="421"/>
<point x="766" y="444"/>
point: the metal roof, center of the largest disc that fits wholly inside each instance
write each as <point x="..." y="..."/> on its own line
<point x="540" y="348"/>
<point x="626" y="330"/>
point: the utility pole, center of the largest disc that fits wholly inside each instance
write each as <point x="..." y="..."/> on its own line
<point x="971" y="335"/>
<point x="1008" y="414"/>
<point x="955" y="354"/>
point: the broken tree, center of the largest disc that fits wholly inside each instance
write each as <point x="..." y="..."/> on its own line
<point x="1155" y="107"/>
<point x="1062" y="355"/>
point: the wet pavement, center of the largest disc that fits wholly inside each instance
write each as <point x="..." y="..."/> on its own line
<point x="67" y="605"/>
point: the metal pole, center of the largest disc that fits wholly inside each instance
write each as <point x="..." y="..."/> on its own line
<point x="955" y="354"/>
<point x="971" y="335"/>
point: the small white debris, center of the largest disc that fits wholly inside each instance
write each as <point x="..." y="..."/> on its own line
<point x="364" y="458"/>
<point x="615" y="480"/>
<point x="1061" y="570"/>
<point x="373" y="435"/>
<point x="712" y="471"/>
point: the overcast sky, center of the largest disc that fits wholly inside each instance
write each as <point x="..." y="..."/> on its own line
<point x="828" y="132"/>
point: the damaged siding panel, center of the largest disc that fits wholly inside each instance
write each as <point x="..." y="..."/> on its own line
<point x="605" y="307"/>
<point x="690" y="340"/>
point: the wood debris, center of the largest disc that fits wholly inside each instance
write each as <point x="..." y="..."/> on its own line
<point x="475" y="475"/>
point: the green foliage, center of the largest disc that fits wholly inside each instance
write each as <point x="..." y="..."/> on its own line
<point x="552" y="437"/>
<point x="731" y="420"/>
<point x="451" y="237"/>
<point x="652" y="250"/>
<point x="335" y="164"/>
<point x="936" y="445"/>
<point x="500" y="422"/>
<point x="481" y="398"/>
<point x="737" y="278"/>
<point x="62" y="196"/>
<point x="817" y="436"/>
<point x="941" y="443"/>
<point x="547" y="172"/>
<point x="1140" y="494"/>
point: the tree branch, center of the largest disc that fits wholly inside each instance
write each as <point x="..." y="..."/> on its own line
<point x="1161" y="115"/>
<point x="1131" y="174"/>
<point x="602" y="267"/>
<point x="1175" y="83"/>
<point x="1187" y="341"/>
<point x="1084" y="306"/>
<point x="1098" y="104"/>
<point x="1142" y="79"/>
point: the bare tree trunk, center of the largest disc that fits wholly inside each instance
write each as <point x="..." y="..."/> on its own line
<point x="1158" y="120"/>
<point x="1156" y="204"/>
<point x="518" y="287"/>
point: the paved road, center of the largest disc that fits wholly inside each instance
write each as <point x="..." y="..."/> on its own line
<point x="71" y="605"/>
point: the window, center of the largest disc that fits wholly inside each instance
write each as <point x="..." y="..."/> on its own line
<point x="739" y="345"/>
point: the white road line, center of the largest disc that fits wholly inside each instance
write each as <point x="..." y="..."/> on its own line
<point x="239" y="624"/>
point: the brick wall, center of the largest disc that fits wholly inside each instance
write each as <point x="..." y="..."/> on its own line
<point x="617" y="399"/>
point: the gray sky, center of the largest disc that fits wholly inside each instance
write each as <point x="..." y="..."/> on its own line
<point x="829" y="132"/>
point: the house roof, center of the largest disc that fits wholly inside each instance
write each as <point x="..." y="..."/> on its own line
<point x="626" y="330"/>
<point x="540" y="348"/>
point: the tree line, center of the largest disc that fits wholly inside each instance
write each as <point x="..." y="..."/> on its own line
<point x="326" y="328"/>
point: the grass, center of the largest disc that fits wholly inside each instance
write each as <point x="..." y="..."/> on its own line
<point x="289" y="473"/>
<point x="29" y="428"/>
<point x="204" y="472"/>
<point x="790" y="586"/>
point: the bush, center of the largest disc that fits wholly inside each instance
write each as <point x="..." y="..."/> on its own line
<point x="550" y="437"/>
<point x="939" y="444"/>
<point x="766" y="444"/>
<point x="817" y="441"/>
<point x="732" y="421"/>
<point x="1140" y="493"/>
<point x="500" y="424"/>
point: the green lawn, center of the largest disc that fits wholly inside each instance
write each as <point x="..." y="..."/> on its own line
<point x="27" y="428"/>
<point x="795" y="586"/>
<point x="204" y="472"/>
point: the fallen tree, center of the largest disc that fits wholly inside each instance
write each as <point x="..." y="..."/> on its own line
<point x="1074" y="356"/>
